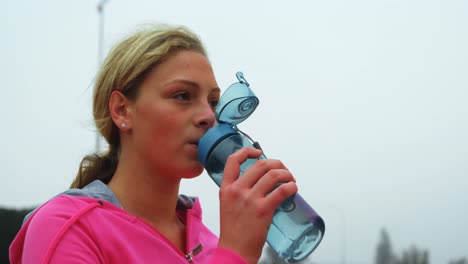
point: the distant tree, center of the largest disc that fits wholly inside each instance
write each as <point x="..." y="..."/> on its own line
<point x="384" y="252"/>
<point x="459" y="261"/>
<point x="414" y="255"/>
<point x="10" y="222"/>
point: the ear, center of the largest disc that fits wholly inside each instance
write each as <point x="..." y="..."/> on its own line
<point x="119" y="107"/>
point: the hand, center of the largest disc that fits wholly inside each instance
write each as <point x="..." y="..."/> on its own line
<point x="248" y="203"/>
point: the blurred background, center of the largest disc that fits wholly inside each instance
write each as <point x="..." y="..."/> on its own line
<point x="365" y="101"/>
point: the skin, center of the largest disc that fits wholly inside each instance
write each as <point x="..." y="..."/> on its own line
<point x="173" y="110"/>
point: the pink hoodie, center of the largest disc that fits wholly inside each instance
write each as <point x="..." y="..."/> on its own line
<point x="76" y="229"/>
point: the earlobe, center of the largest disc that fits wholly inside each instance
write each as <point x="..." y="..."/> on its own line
<point x="119" y="110"/>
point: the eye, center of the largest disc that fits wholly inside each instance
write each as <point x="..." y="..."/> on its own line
<point x="183" y="96"/>
<point x="214" y="103"/>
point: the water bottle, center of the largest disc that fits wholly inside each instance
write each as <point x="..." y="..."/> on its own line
<point x="296" y="229"/>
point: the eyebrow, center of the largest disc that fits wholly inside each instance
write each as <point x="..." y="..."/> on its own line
<point x="191" y="83"/>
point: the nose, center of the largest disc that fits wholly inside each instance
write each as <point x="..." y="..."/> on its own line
<point x="206" y="117"/>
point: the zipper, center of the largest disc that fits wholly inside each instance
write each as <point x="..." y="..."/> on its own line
<point x="195" y="251"/>
<point x="189" y="256"/>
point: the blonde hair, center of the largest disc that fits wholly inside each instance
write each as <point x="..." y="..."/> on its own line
<point x="124" y="69"/>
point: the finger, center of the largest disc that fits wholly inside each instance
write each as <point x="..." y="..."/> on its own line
<point x="274" y="199"/>
<point x="232" y="168"/>
<point x="261" y="167"/>
<point x="271" y="180"/>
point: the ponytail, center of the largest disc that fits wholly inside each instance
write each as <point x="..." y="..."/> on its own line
<point x="96" y="167"/>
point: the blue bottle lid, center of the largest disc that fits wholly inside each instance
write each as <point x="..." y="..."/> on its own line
<point x="212" y="137"/>
<point x="237" y="103"/>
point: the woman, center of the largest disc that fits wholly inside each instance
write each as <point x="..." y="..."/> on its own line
<point x="154" y="99"/>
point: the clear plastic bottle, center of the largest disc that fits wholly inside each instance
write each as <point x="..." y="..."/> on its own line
<point x="296" y="229"/>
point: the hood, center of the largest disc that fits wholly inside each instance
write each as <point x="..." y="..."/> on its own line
<point x="90" y="197"/>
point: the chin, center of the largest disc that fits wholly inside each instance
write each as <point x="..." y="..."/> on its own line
<point x="194" y="172"/>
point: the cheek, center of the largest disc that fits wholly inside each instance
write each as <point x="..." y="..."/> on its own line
<point x="167" y="126"/>
<point x="165" y="132"/>
<point x="149" y="120"/>
<point x="159" y="123"/>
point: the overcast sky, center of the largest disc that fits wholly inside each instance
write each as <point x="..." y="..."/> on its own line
<point x="365" y="101"/>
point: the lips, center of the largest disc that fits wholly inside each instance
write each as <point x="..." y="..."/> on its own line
<point x="194" y="142"/>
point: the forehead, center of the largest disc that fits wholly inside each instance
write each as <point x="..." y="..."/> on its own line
<point x="182" y="67"/>
<point x="190" y="65"/>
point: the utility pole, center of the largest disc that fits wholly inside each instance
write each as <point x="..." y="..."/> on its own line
<point x="343" y="232"/>
<point x="343" y="239"/>
<point x="100" y="9"/>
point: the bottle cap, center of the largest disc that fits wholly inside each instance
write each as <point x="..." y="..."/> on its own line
<point x="211" y="138"/>
<point x="237" y="103"/>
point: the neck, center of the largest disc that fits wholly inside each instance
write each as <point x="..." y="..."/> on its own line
<point x="152" y="199"/>
<point x="149" y="192"/>
<point x="144" y="193"/>
<point x="150" y="196"/>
